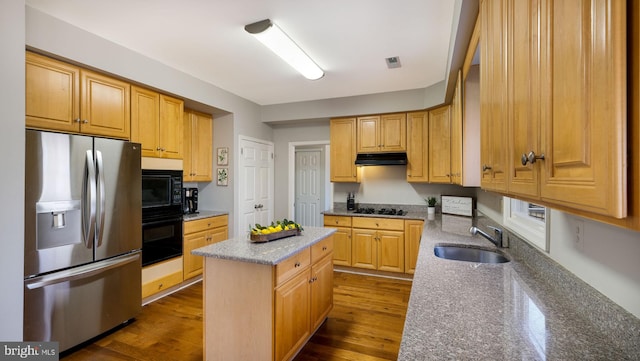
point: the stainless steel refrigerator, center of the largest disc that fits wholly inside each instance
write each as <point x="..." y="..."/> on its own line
<point x="83" y="236"/>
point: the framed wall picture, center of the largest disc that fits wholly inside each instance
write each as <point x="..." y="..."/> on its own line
<point x="223" y="156"/>
<point x="223" y="176"/>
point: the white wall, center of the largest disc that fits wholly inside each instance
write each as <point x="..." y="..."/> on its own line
<point x="388" y="185"/>
<point x="12" y="25"/>
<point x="608" y="260"/>
<point x="283" y="135"/>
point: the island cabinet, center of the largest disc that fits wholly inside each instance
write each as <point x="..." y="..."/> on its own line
<point x="198" y="146"/>
<point x="199" y="233"/>
<point x="378" y="243"/>
<point x="341" y="239"/>
<point x="258" y="311"/>
<point x="382" y="133"/>
<point x="67" y="98"/>
<point x="156" y="123"/>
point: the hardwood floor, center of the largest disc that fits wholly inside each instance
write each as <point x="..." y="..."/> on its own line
<point x="365" y="324"/>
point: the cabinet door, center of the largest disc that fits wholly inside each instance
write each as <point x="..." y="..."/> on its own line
<point x="343" y="150"/>
<point x="363" y="248"/>
<point x="393" y="132"/>
<point x="105" y="106"/>
<point x="145" y="105"/>
<point x="412" y="235"/>
<point x="321" y="291"/>
<point x="390" y="251"/>
<point x="218" y="235"/>
<point x="368" y="134"/>
<point x="171" y="128"/>
<point x="493" y="91"/>
<point x="456" y="132"/>
<point x="52" y="98"/>
<point x="440" y="145"/>
<point x="418" y="147"/>
<point x="292" y="315"/>
<point x="200" y="143"/>
<point x="192" y="264"/>
<point x="342" y="247"/>
<point x="524" y="96"/>
<point x="584" y="131"/>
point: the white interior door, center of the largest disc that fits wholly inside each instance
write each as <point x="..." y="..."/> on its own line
<point x="256" y="184"/>
<point x="308" y="199"/>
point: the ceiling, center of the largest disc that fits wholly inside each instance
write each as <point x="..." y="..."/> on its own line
<point x="348" y="39"/>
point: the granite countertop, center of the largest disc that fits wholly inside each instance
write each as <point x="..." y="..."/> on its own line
<point x="203" y="214"/>
<point x="271" y="253"/>
<point x="472" y="311"/>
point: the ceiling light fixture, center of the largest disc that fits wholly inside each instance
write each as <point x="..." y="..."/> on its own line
<point x="275" y="39"/>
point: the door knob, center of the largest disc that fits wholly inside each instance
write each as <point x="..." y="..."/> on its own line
<point x="485" y="168"/>
<point x="531" y="157"/>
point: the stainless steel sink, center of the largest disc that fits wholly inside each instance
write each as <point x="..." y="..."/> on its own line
<point x="469" y="254"/>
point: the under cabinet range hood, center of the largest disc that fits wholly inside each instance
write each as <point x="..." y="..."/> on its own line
<point x="381" y="159"/>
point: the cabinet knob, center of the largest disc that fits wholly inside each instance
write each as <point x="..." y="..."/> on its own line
<point x="84" y="121"/>
<point x="531" y="157"/>
<point x="78" y="120"/>
<point x="297" y="264"/>
<point x="324" y="248"/>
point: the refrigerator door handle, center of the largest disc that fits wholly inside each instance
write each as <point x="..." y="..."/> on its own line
<point x="101" y="195"/>
<point x="80" y="272"/>
<point x="89" y="200"/>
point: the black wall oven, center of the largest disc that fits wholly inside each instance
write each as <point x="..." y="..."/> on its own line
<point x="161" y="215"/>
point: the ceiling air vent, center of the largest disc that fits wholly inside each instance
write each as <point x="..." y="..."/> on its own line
<point x="393" y="62"/>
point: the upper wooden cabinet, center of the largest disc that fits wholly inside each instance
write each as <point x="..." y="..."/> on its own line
<point x="493" y="95"/>
<point x="198" y="146"/>
<point x="66" y="98"/>
<point x="418" y="146"/>
<point x="557" y="69"/>
<point x="440" y="145"/>
<point x="382" y="133"/>
<point x="156" y="123"/>
<point x="457" y="133"/>
<point x="343" y="150"/>
<point x="584" y="106"/>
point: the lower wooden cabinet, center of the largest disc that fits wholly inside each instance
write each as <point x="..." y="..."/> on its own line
<point x="341" y="239"/>
<point x="384" y="244"/>
<point x="412" y="235"/>
<point x="378" y="244"/>
<point x="199" y="233"/>
<point x="161" y="276"/>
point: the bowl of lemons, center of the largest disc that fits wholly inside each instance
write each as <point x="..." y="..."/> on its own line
<point x="276" y="230"/>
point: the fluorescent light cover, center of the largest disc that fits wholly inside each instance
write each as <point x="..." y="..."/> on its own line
<point x="275" y="39"/>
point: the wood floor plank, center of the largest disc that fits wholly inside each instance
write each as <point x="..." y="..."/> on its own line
<point x="365" y="325"/>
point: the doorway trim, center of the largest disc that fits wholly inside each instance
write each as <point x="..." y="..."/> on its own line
<point x="328" y="186"/>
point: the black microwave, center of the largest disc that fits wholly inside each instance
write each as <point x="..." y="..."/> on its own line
<point x="161" y="191"/>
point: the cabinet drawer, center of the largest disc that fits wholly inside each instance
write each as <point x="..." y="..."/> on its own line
<point x="337" y="221"/>
<point x="161" y="284"/>
<point x="378" y="223"/>
<point x="205" y="223"/>
<point x="321" y="249"/>
<point x="292" y="265"/>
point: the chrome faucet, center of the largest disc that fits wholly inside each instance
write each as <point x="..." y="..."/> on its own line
<point x="497" y="231"/>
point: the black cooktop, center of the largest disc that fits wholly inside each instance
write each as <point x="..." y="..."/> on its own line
<point x="384" y="211"/>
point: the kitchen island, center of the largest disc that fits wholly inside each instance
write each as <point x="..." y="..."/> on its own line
<point x="263" y="301"/>
<point x="527" y="309"/>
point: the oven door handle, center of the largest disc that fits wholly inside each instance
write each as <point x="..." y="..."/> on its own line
<point x="162" y="221"/>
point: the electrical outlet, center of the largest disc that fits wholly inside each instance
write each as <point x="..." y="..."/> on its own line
<point x="578" y="232"/>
